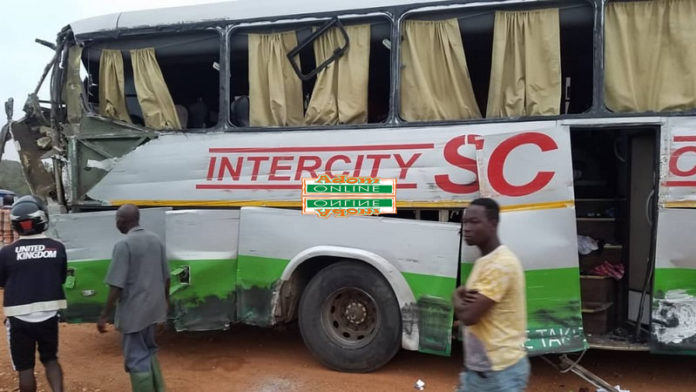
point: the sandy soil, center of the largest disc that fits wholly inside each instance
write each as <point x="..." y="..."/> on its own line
<point x="270" y="360"/>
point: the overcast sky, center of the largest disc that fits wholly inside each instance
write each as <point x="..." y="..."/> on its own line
<point x="23" y="60"/>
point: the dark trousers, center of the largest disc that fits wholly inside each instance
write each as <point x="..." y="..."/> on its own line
<point x="138" y="348"/>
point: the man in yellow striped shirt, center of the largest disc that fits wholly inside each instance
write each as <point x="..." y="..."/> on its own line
<point x="492" y="306"/>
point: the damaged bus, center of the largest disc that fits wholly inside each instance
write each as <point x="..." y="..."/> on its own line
<point x="583" y="128"/>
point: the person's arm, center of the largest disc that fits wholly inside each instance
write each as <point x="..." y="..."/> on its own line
<point x="472" y="304"/>
<point x="114" y="294"/>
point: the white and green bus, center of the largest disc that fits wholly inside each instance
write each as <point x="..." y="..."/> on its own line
<point x="577" y="116"/>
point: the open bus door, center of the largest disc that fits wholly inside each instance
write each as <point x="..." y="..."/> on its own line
<point x="673" y="321"/>
<point x="529" y="172"/>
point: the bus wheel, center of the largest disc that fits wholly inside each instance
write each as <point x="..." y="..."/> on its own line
<point x="349" y="318"/>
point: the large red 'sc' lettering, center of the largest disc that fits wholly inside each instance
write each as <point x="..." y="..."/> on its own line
<point x="452" y="156"/>
<point x="674" y="159"/>
<point x="497" y="162"/>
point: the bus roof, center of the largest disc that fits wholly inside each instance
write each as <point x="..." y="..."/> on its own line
<point x="227" y="11"/>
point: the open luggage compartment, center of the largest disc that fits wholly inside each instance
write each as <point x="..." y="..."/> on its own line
<point x="615" y="181"/>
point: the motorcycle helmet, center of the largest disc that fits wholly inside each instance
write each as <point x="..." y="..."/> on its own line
<point x="28" y="216"/>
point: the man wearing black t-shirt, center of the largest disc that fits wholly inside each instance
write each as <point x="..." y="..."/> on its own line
<point x="32" y="272"/>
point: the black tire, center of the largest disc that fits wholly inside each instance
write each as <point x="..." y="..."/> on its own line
<point x="349" y="318"/>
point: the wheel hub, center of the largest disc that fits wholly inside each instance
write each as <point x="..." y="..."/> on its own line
<point x="356" y="313"/>
<point x="351" y="317"/>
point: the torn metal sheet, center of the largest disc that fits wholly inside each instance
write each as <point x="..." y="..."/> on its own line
<point x="105" y="164"/>
<point x="25" y="134"/>
<point x="72" y="93"/>
<point x="673" y="323"/>
<point x="674" y="318"/>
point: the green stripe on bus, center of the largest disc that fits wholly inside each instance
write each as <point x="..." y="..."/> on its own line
<point x="667" y="279"/>
<point x="429" y="285"/>
<point x="551" y="293"/>
<point x="553" y="296"/>
<point x="208" y="277"/>
<point x="261" y="272"/>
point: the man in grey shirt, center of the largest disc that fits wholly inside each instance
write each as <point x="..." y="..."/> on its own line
<point x="138" y="277"/>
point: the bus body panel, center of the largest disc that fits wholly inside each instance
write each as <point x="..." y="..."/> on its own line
<point x="539" y="227"/>
<point x="435" y="168"/>
<point x="202" y="253"/>
<point x="89" y="239"/>
<point x="417" y="258"/>
<point x="673" y="329"/>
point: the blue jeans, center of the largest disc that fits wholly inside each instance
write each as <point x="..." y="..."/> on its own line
<point x="511" y="379"/>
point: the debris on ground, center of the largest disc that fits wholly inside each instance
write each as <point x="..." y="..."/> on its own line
<point x="617" y="387"/>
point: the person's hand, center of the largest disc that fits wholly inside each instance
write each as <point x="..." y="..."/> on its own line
<point x="460" y="292"/>
<point x="470" y="296"/>
<point x="101" y="324"/>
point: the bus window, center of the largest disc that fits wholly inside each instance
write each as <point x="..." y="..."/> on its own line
<point x="188" y="64"/>
<point x="320" y="89"/>
<point x="652" y="38"/>
<point x="546" y="71"/>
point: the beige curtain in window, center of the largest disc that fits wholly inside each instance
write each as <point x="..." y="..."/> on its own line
<point x="340" y="92"/>
<point x="153" y="95"/>
<point x="435" y="82"/>
<point x="526" y="65"/>
<point x="275" y="91"/>
<point x="650" y="56"/>
<point x="112" y="97"/>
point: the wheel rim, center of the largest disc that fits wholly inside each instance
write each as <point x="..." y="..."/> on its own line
<point x="350" y="317"/>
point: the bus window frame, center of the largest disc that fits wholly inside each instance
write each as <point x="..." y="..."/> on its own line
<point x="395" y="15"/>
<point x="338" y="52"/>
<point x="442" y="11"/>
<point x="603" y="105"/>
<point x="251" y="27"/>
<point x="139" y="34"/>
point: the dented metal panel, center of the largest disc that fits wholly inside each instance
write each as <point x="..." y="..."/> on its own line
<point x="89" y="239"/>
<point x="673" y="324"/>
<point x="418" y="259"/>
<point x="96" y="148"/>
<point x="202" y="245"/>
